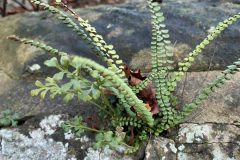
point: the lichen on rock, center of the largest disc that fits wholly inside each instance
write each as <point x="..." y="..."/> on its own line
<point x="38" y="145"/>
<point x="160" y="148"/>
<point x="104" y="154"/>
<point x="16" y="146"/>
<point x="50" y="124"/>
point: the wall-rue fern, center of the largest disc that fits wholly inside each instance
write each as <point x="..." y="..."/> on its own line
<point x="111" y="88"/>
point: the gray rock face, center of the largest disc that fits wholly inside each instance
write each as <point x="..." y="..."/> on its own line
<point x="208" y="133"/>
<point x="222" y="106"/>
<point x="128" y="28"/>
<point x="38" y="146"/>
<point x="209" y="141"/>
<point x="160" y="148"/>
<point x="215" y="151"/>
<point x="42" y="138"/>
<point x="17" y="97"/>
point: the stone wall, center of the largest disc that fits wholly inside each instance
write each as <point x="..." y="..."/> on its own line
<point x="210" y="132"/>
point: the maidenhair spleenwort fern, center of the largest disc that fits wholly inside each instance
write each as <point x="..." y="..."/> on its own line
<point x="111" y="88"/>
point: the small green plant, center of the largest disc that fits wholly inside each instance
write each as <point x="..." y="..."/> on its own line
<point x="136" y="106"/>
<point x="9" y="118"/>
<point x="108" y="138"/>
<point x="77" y="126"/>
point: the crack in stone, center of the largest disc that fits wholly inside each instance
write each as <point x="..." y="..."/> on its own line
<point x="209" y="143"/>
<point x="210" y="123"/>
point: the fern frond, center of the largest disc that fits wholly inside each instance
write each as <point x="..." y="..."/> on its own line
<point x="160" y="45"/>
<point x="188" y="61"/>
<point x="127" y="121"/>
<point x="122" y="89"/>
<point x="170" y="118"/>
<point x="159" y="39"/>
<point x="91" y="38"/>
<point x="98" y="39"/>
<point x="144" y="83"/>
<point x="133" y="149"/>
<point x="211" y="87"/>
<point x="161" y="55"/>
<point x="175" y="117"/>
<point x="38" y="44"/>
<point x="123" y="103"/>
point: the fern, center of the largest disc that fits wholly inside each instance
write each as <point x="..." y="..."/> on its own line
<point x="107" y="87"/>
<point x="117" y="85"/>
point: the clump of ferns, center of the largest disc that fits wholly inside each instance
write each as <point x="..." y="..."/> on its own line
<point x="118" y="92"/>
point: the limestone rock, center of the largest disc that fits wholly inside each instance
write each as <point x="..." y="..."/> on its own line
<point x="6" y="82"/>
<point x="222" y="106"/>
<point x="17" y="97"/>
<point x="208" y="133"/>
<point x="41" y="137"/>
<point x="160" y="148"/>
<point x="214" y="151"/>
<point x="38" y="145"/>
<point x="208" y="141"/>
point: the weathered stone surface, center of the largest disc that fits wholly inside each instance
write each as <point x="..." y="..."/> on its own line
<point x="6" y="82"/>
<point x="208" y="141"/>
<point x="205" y="151"/>
<point x="208" y="133"/>
<point x="128" y="28"/>
<point x="214" y="151"/>
<point x="38" y="145"/>
<point x="160" y="148"/>
<point x="41" y="137"/>
<point x="142" y="59"/>
<point x="222" y="106"/>
<point x="15" y="95"/>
